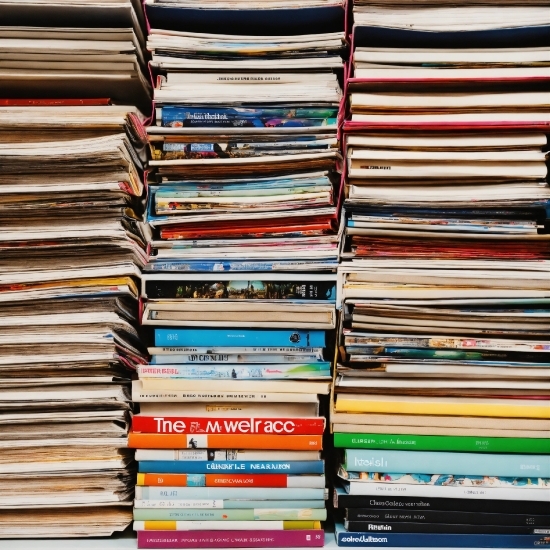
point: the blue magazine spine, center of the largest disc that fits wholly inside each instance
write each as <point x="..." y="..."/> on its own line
<point x="246" y="467"/>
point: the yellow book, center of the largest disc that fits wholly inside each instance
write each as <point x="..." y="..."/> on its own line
<point x="448" y="406"/>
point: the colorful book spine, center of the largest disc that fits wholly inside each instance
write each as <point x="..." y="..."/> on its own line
<point x="195" y="266"/>
<point x="393" y="515"/>
<point x="227" y="504"/>
<point x="177" y="525"/>
<point x="221" y="493"/>
<point x="422" y="462"/>
<point x="236" y="337"/>
<point x="224" y="441"/>
<point x="225" y="350"/>
<point x="198" y="425"/>
<point x="230" y="480"/>
<point x="241" y="371"/>
<point x="242" y="467"/>
<point x="431" y="540"/>
<point x="442" y="443"/>
<point x="232" y="539"/>
<point x="251" y="514"/>
<point x="232" y="358"/>
<point x="245" y="455"/>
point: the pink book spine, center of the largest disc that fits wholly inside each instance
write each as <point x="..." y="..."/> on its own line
<point x="231" y="539"/>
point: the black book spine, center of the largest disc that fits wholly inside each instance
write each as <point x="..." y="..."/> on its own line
<point x="468" y="529"/>
<point x="238" y="290"/>
<point x="449" y="517"/>
<point x="416" y="504"/>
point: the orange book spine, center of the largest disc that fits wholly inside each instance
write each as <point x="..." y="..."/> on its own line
<point x="233" y="441"/>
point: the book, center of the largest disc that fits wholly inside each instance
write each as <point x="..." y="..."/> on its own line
<point x="227" y="425"/>
<point x="226" y="504"/>
<point x="204" y="337"/>
<point x="507" y="465"/>
<point x="430" y="540"/>
<point x="229" y="480"/>
<point x="229" y="539"/>
<point x="246" y="514"/>
<point x="240" y="467"/>
<point x="248" y="441"/>
<point x="188" y="455"/>
<point x="185" y="493"/>
<point x="213" y="525"/>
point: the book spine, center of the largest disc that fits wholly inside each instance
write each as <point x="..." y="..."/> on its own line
<point x="226" y="455"/>
<point x="251" y="514"/>
<point x="230" y="480"/>
<point x="270" y="290"/>
<point x="246" y="338"/>
<point x="199" y="525"/>
<point x="244" y="467"/>
<point x="430" y="540"/>
<point x="443" y="516"/>
<point x="231" y="539"/>
<point x="407" y="527"/>
<point x="232" y="350"/>
<point x="181" y="396"/>
<point x="409" y="504"/>
<point x="229" y="358"/>
<point x="441" y="443"/>
<point x="193" y="425"/>
<point x="439" y="491"/>
<point x="217" y="504"/>
<point x="216" y="441"/>
<point x="422" y="462"/>
<point x="209" y="371"/>
<point x="205" y="493"/>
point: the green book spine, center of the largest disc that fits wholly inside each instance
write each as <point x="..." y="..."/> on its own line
<point x="468" y="443"/>
<point x="288" y="514"/>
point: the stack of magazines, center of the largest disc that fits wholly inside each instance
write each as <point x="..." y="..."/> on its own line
<point x="72" y="248"/>
<point x="239" y="292"/>
<point x="444" y="377"/>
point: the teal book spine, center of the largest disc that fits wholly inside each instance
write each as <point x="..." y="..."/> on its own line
<point x="436" y="462"/>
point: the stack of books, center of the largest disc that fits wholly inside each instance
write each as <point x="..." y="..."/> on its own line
<point x="240" y="290"/>
<point x="444" y="375"/>
<point x="72" y="248"/>
<point x="74" y="49"/>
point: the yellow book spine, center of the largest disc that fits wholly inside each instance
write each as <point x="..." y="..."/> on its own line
<point x="447" y="409"/>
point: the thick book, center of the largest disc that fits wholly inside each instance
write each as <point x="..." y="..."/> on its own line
<point x="470" y="464"/>
<point x="231" y="539"/>
<point x="441" y="443"/>
<point x="448" y="517"/>
<point x="231" y="466"/>
<point x="186" y="493"/>
<point x="431" y="540"/>
<point x="213" y="525"/>
<point x="223" y="337"/>
<point x="244" y="514"/>
<point x="231" y="480"/>
<point x="224" y="441"/>
<point x="224" y="425"/>
<point x="457" y="528"/>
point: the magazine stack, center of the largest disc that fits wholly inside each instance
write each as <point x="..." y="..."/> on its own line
<point x="440" y="409"/>
<point x="239" y="292"/>
<point x="72" y="245"/>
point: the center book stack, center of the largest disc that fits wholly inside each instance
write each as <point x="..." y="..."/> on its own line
<point x="240" y="289"/>
<point x="441" y="396"/>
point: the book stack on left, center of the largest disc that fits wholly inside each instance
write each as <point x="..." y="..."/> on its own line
<point x="72" y="246"/>
<point x="239" y="292"/>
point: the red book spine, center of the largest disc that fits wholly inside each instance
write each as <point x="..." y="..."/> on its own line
<point x="232" y="539"/>
<point x="191" y="425"/>
<point x="53" y="102"/>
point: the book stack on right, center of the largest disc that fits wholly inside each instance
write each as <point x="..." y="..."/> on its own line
<point x="441" y="395"/>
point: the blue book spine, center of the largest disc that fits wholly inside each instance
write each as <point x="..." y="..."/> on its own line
<point x="226" y="265"/>
<point x="437" y="462"/>
<point x="238" y="337"/>
<point x="430" y="540"/>
<point x="221" y="493"/>
<point x="246" y="467"/>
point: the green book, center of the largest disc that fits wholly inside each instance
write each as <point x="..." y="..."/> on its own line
<point x="148" y="514"/>
<point x="443" y="443"/>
